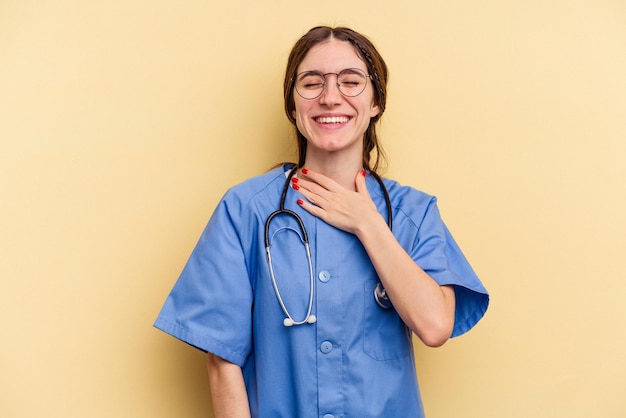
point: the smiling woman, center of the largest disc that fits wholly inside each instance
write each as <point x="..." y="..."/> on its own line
<point x="368" y="60"/>
<point x="336" y="304"/>
<point x="123" y="122"/>
<point x="332" y="121"/>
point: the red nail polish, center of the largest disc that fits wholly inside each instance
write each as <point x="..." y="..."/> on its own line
<point x="305" y="171"/>
<point x="363" y="173"/>
<point x="295" y="186"/>
<point x="294" y="179"/>
<point x="300" y="201"/>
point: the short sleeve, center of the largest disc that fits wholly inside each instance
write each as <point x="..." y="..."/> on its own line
<point x="210" y="304"/>
<point x="438" y="254"/>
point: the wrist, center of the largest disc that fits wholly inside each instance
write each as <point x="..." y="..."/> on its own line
<point x="370" y="227"/>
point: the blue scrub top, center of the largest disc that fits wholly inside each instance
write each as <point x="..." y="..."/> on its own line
<point x="357" y="360"/>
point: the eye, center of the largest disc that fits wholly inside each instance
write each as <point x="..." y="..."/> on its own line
<point x="313" y="84"/>
<point x="351" y="83"/>
<point x="352" y="78"/>
<point x="310" y="81"/>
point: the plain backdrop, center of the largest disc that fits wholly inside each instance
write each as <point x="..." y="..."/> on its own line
<point x="123" y="122"/>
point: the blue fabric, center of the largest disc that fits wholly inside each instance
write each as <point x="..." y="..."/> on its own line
<point x="357" y="359"/>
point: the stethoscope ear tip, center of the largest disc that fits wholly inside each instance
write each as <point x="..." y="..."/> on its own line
<point x="288" y="322"/>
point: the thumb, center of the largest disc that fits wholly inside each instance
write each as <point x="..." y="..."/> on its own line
<point x="361" y="186"/>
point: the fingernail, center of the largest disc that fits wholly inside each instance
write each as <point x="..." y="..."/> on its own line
<point x="295" y="186"/>
<point x="300" y="201"/>
<point x="294" y="179"/>
<point x="305" y="171"/>
<point x="363" y="173"/>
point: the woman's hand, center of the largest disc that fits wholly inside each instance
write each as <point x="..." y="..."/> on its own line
<point x="342" y="208"/>
<point x="424" y="306"/>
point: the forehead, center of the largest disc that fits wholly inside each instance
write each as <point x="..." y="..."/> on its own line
<point x="331" y="56"/>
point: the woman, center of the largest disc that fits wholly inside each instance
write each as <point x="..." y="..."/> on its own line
<point x="330" y="335"/>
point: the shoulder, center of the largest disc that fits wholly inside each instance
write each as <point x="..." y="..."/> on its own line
<point x="403" y="193"/>
<point x="408" y="200"/>
<point x="246" y="204"/>
<point x="260" y="186"/>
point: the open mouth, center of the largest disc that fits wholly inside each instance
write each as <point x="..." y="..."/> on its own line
<point x="332" y="119"/>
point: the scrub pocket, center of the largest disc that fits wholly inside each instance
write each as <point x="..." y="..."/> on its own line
<point x="385" y="336"/>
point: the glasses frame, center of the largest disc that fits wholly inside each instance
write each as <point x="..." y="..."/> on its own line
<point x="323" y="75"/>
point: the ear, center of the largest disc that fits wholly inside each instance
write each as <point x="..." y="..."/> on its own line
<point x="374" y="109"/>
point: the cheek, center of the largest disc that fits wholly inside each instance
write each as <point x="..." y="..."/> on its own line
<point x="302" y="126"/>
<point x="299" y="112"/>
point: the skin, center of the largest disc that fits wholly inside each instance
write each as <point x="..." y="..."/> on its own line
<point x="228" y="391"/>
<point x="332" y="186"/>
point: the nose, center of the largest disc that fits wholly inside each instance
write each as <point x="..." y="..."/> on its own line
<point x="331" y="94"/>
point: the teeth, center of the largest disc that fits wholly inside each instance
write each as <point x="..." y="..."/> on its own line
<point x="333" y="119"/>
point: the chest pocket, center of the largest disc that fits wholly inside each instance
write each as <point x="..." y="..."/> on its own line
<point x="385" y="336"/>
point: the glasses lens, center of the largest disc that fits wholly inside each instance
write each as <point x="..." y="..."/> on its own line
<point x="352" y="82"/>
<point x="310" y="85"/>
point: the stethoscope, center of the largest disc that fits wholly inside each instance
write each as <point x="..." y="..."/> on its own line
<point x="380" y="295"/>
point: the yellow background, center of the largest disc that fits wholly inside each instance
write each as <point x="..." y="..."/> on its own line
<point x="123" y="122"/>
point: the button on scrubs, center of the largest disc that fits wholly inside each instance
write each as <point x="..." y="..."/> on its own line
<point x="357" y="360"/>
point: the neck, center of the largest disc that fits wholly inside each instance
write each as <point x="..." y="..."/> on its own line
<point x="340" y="168"/>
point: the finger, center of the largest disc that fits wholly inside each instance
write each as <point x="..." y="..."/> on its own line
<point x="324" y="181"/>
<point x="313" y="192"/>
<point x="312" y="198"/>
<point x="360" y="183"/>
<point x="311" y="208"/>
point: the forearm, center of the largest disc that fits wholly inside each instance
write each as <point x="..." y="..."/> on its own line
<point x="228" y="392"/>
<point x="425" y="306"/>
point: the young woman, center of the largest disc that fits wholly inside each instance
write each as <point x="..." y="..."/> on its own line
<point x="309" y="281"/>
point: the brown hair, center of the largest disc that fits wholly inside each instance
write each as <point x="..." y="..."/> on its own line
<point x="376" y="67"/>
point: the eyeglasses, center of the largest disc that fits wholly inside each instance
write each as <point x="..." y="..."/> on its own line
<point x="351" y="82"/>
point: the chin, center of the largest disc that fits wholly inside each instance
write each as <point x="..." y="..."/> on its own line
<point x="328" y="147"/>
<point x="333" y="144"/>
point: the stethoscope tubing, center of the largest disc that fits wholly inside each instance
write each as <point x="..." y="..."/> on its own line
<point x="380" y="295"/>
<point x="289" y="321"/>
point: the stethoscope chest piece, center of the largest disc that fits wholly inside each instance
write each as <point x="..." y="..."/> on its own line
<point x="381" y="298"/>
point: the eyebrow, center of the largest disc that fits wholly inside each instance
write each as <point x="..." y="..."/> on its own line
<point x="332" y="72"/>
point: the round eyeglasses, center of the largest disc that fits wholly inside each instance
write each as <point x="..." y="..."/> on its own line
<point x="351" y="82"/>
